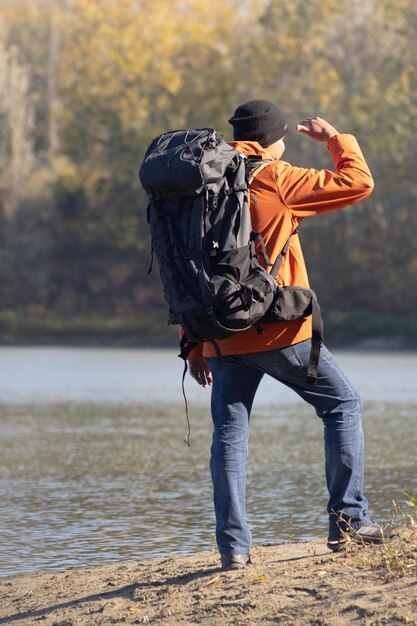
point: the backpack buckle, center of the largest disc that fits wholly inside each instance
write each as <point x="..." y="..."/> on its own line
<point x="212" y="200"/>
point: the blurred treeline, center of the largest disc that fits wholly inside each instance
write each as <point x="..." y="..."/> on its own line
<point x="86" y="84"/>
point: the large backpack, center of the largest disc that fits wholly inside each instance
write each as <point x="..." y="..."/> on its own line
<point x="198" y="211"/>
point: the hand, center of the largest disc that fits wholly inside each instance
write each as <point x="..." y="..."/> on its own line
<point x="200" y="371"/>
<point x="317" y="128"/>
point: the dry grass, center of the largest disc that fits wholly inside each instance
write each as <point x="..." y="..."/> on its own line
<point x="397" y="558"/>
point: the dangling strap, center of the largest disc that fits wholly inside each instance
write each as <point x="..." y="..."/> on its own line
<point x="259" y="237"/>
<point x="218" y="353"/>
<point x="151" y="263"/>
<point x="277" y="265"/>
<point x="187" y="441"/>
<point x="316" y="340"/>
<point x="186" y="346"/>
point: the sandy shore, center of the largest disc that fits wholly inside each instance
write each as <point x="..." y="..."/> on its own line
<point x="293" y="584"/>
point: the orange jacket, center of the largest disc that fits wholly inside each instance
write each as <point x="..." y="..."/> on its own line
<point x="281" y="197"/>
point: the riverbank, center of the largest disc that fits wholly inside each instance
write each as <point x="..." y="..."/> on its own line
<point x="293" y="584"/>
<point x="150" y="328"/>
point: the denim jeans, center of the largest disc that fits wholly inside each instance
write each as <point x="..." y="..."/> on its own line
<point x="335" y="402"/>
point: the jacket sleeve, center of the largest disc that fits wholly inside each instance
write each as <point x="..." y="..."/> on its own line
<point x="308" y="192"/>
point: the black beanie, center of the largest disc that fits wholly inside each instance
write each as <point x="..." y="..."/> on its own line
<point x="258" y="120"/>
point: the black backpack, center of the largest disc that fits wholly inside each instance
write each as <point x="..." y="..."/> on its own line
<point x="198" y="189"/>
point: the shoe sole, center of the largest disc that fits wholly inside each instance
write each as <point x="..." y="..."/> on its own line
<point x="338" y="545"/>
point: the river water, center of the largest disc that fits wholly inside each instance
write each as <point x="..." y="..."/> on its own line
<point x="94" y="469"/>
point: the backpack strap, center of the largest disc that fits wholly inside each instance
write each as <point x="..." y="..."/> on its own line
<point x="316" y="340"/>
<point x="258" y="236"/>
<point x="254" y="166"/>
<point x="278" y="262"/>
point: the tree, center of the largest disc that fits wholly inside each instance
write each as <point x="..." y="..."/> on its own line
<point x="16" y="128"/>
<point x="86" y="84"/>
<point x="353" y="63"/>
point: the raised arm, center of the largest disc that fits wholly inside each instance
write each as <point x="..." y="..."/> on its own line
<point x="309" y="192"/>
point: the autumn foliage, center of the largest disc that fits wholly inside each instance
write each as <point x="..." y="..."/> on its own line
<point x="86" y="84"/>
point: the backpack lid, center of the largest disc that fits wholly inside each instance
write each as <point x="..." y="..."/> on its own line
<point x="183" y="162"/>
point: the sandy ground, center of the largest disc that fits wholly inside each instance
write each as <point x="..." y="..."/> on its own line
<point x="292" y="583"/>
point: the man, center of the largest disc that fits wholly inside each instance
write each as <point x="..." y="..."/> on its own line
<point x="281" y="197"/>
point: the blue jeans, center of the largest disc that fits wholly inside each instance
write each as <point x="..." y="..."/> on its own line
<point x="335" y="402"/>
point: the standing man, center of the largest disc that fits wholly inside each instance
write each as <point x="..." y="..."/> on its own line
<point x="281" y="197"/>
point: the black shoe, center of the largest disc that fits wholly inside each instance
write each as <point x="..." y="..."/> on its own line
<point x="336" y="544"/>
<point x="369" y="532"/>
<point x="234" y="561"/>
